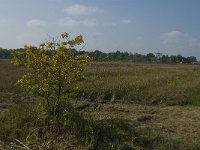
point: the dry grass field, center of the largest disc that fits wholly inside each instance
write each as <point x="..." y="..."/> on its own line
<point x="142" y="83"/>
<point x="153" y="106"/>
<point x="10" y="94"/>
<point x="159" y="127"/>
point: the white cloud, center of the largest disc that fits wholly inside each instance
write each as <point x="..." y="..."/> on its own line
<point x="73" y="23"/>
<point x="125" y="21"/>
<point x="173" y="37"/>
<point x="180" y="38"/>
<point x="177" y="42"/>
<point x="78" y="9"/>
<point x="35" y="23"/>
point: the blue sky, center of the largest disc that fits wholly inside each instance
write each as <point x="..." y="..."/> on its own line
<point x="142" y="26"/>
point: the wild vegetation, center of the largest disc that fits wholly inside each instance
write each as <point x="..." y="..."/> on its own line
<point x="117" y="106"/>
<point x="147" y="84"/>
<point x="51" y="100"/>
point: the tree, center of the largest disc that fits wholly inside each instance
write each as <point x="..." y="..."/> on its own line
<point x="191" y="59"/>
<point x="150" y="57"/>
<point x="52" y="69"/>
<point x="5" y="54"/>
<point x="179" y="58"/>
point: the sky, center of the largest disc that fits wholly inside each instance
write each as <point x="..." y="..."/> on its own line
<point x="139" y="26"/>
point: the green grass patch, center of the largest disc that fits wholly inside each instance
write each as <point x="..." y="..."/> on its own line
<point x="194" y="96"/>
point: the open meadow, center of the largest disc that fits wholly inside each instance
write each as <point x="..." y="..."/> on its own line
<point x="100" y="75"/>
<point x="139" y="106"/>
<point x="146" y="84"/>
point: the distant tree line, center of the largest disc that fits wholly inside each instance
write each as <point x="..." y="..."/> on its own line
<point x="7" y="53"/>
<point x="120" y="56"/>
<point x="150" y="57"/>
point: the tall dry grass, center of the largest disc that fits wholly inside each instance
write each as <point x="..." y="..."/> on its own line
<point x="147" y="84"/>
<point x="140" y="83"/>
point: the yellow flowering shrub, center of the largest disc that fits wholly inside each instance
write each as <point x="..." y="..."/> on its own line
<point x="52" y="68"/>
